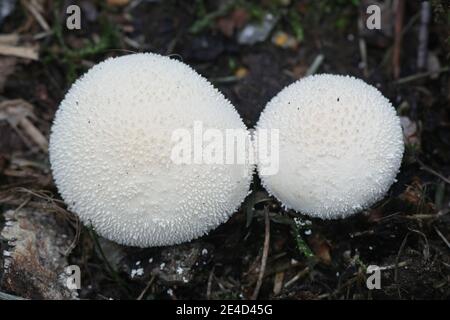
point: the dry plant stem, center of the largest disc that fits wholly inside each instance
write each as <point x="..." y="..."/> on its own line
<point x="264" y="256"/>
<point x="420" y="75"/>
<point x="393" y="266"/>
<point x="34" y="134"/>
<point x="210" y="280"/>
<point x="315" y="65"/>
<point x="363" y="48"/>
<point x="297" y="277"/>
<point x="399" y="10"/>
<point x="7" y="296"/>
<point x="34" y="10"/>
<point x="20" y="52"/>
<point x="278" y="283"/>
<point x="422" y="53"/>
<point x="149" y="284"/>
<point x="402" y="246"/>
<point x="442" y="237"/>
<point x="433" y="172"/>
<point x="9" y="39"/>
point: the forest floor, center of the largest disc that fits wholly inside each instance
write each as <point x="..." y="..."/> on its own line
<point x="406" y="234"/>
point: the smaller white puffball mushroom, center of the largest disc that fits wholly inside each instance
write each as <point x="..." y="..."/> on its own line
<point x="341" y="145"/>
<point x="111" y="146"/>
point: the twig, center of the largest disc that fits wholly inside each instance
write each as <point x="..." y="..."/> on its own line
<point x="7" y="296"/>
<point x="297" y="277"/>
<point x="10" y="39"/>
<point x="315" y="65"/>
<point x="399" y="10"/>
<point x="393" y="266"/>
<point x="363" y="48"/>
<point x="426" y="251"/>
<point x="399" y="253"/>
<point x="278" y="283"/>
<point x="76" y="238"/>
<point x="20" y="52"/>
<point x="149" y="284"/>
<point x="109" y="267"/>
<point x="442" y="237"/>
<point x="210" y="279"/>
<point x="34" y="10"/>
<point x="421" y="217"/>
<point x="34" y="134"/>
<point x="421" y="75"/>
<point x="290" y="266"/>
<point x="429" y="170"/>
<point x="264" y="256"/>
<point x="422" y="53"/>
<point x="226" y="79"/>
<point x="16" y="111"/>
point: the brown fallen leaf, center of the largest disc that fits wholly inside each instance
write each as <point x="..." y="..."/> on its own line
<point x="117" y="3"/>
<point x="236" y="20"/>
<point x="320" y="247"/>
<point x="241" y="72"/>
<point x="284" y="40"/>
<point x="413" y="193"/>
<point x="375" y="215"/>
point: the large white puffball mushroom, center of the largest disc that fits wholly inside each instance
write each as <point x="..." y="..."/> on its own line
<point x="340" y="145"/>
<point x="111" y="152"/>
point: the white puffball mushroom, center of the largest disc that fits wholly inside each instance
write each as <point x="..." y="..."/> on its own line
<point x="340" y="145"/>
<point x="111" y="144"/>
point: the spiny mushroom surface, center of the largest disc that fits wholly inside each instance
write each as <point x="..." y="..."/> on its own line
<point x="110" y="152"/>
<point x="341" y="145"/>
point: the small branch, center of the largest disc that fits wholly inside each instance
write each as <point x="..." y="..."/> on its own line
<point x="7" y="296"/>
<point x="297" y="277"/>
<point x="442" y="237"/>
<point x="393" y="266"/>
<point x="422" y="53"/>
<point x="9" y="39"/>
<point x="34" y="9"/>
<point x="399" y="11"/>
<point x="363" y="48"/>
<point x="149" y="284"/>
<point x="433" y="172"/>
<point x="20" y="52"/>
<point x="399" y="253"/>
<point x="262" y="269"/>
<point x="210" y="280"/>
<point x="421" y="75"/>
<point x="315" y="65"/>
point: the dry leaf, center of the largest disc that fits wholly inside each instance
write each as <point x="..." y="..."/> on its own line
<point x="117" y="3"/>
<point x="235" y="20"/>
<point x="321" y="248"/>
<point x="241" y="72"/>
